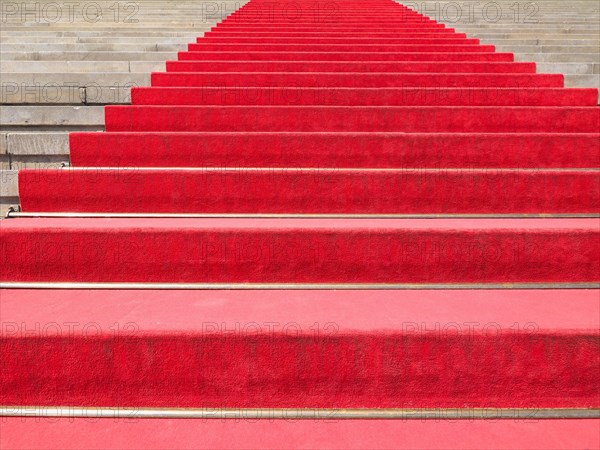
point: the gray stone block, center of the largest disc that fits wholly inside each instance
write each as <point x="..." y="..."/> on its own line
<point x="8" y="183"/>
<point x="103" y="47"/>
<point x="62" y="66"/>
<point x="76" y="116"/>
<point x="568" y="68"/>
<point x="147" y="66"/>
<point x="87" y="56"/>
<point x="558" y="57"/>
<point x="592" y="80"/>
<point x="12" y="93"/>
<point x="38" y="144"/>
<point x="3" y="143"/>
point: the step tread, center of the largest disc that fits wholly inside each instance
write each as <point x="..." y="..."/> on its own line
<point x="302" y="350"/>
<point x="354" y="311"/>
<point x="108" y="224"/>
<point x="341" y="191"/>
<point x="192" y="434"/>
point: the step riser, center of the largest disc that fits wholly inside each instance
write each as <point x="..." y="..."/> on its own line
<point x="409" y="119"/>
<point x="348" y="56"/>
<point x="341" y="47"/>
<point x="356" y="371"/>
<point x="420" y="67"/>
<point x="302" y="251"/>
<point x="301" y="348"/>
<point x="374" y="80"/>
<point x="338" y="41"/>
<point x="364" y="97"/>
<point x="441" y="33"/>
<point x="358" y="19"/>
<point x="359" y="25"/>
<point x="283" y="16"/>
<point x="333" y="150"/>
<point x="355" y="20"/>
<point x="329" y="28"/>
<point x="316" y="192"/>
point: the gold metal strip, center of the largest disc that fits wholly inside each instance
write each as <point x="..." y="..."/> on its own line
<point x="292" y="286"/>
<point x="301" y="413"/>
<point x="14" y="214"/>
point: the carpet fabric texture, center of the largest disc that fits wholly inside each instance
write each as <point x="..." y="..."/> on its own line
<point x="276" y="111"/>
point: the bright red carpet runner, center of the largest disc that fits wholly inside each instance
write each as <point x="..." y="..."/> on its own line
<point x="407" y="140"/>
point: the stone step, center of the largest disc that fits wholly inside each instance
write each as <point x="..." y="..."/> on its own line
<point x="9" y="190"/>
<point x="593" y="36"/>
<point x="153" y="47"/>
<point x="98" y="40"/>
<point x="116" y="33"/>
<point x="88" y="56"/>
<point x="143" y="15"/>
<point x="560" y="37"/>
<point x="90" y="28"/>
<point x="182" y="25"/>
<point x="52" y="117"/>
<point x="69" y="67"/>
<point x="558" y="57"/>
<point x="547" y="39"/>
<point x="3" y="144"/>
<point x="20" y="150"/>
<point x="511" y="28"/>
<point x="24" y="94"/>
<point x="579" y="19"/>
<point x="582" y="81"/>
<point x="119" y="79"/>
<point x="569" y="68"/>
<point x="544" y="42"/>
<point x="70" y="88"/>
<point x="23" y="144"/>
<point x="594" y="50"/>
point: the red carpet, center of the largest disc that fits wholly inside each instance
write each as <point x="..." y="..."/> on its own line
<point x="366" y="109"/>
<point x="313" y="191"/>
<point x="334" y="150"/>
<point x="302" y="250"/>
<point x="360" y="79"/>
<point x="483" y="119"/>
<point x="332" y="56"/>
<point x="346" y="66"/>
<point x="178" y="434"/>
<point x="307" y="349"/>
<point x="405" y="96"/>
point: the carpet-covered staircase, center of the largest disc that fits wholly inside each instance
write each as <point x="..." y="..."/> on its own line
<point x="347" y="212"/>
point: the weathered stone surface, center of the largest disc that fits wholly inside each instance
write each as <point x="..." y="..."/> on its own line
<point x="582" y="81"/>
<point x="67" y="66"/>
<point x="3" y="143"/>
<point x="23" y="116"/>
<point x="580" y="68"/>
<point x="564" y="37"/>
<point x="38" y="144"/>
<point x="87" y="56"/>
<point x="8" y="183"/>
